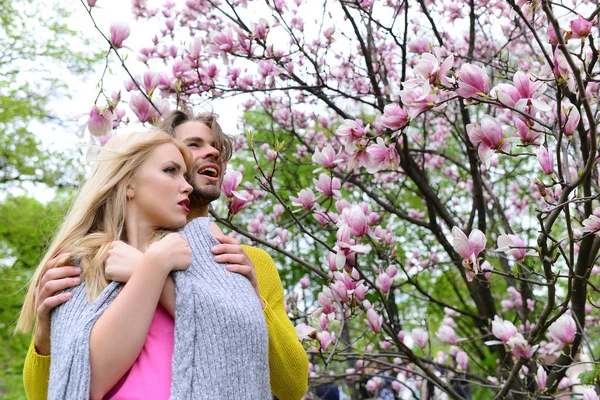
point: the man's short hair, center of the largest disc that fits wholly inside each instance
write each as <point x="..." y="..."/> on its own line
<point x="222" y="142"/>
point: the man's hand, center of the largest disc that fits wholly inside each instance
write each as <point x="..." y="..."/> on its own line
<point x="54" y="280"/>
<point x="122" y="261"/>
<point x="231" y="252"/>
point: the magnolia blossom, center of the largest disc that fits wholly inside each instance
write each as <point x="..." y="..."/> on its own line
<point x="580" y="27"/>
<point x="374" y="320"/>
<point x="488" y="135"/>
<point x="330" y="187"/>
<point x="394" y="117"/>
<point x="231" y="181"/>
<point x="592" y="224"/>
<point x="570" y="119"/>
<point x="519" y="346"/>
<point x="514" y="246"/>
<point x="528" y="134"/>
<point x="325" y="339"/>
<point x="462" y="359"/>
<point x="472" y="82"/>
<point x="503" y="330"/>
<point x="304" y="331"/>
<point x="327" y="157"/>
<point x="142" y="108"/>
<point x="469" y="248"/>
<point x="563" y="330"/>
<point x="446" y="334"/>
<point x="590" y="394"/>
<point x="305" y="199"/>
<point x="119" y="31"/>
<point x="541" y="378"/>
<point x="240" y="200"/>
<point x="436" y="74"/>
<point x="384" y="282"/>
<point x="420" y="337"/>
<point x="420" y="45"/>
<point x="546" y="160"/>
<point x="100" y="124"/>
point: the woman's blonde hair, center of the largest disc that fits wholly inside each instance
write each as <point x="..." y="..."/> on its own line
<point x="97" y="216"/>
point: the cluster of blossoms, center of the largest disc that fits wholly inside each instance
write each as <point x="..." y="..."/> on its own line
<point x="398" y="171"/>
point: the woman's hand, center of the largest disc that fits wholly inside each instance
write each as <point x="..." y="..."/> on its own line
<point x="47" y="296"/>
<point x="122" y="260"/>
<point x="172" y="252"/>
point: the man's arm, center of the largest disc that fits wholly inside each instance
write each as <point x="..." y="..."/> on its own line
<point x="288" y="362"/>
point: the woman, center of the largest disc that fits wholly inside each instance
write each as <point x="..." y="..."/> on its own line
<point x="137" y="192"/>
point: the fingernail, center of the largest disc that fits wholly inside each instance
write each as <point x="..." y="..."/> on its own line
<point x="77" y="281"/>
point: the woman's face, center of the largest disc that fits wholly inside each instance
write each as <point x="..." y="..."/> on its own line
<point x="159" y="196"/>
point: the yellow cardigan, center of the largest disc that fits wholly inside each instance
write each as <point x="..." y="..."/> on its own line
<point x="288" y="363"/>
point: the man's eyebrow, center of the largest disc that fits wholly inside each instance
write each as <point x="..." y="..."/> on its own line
<point x="193" y="139"/>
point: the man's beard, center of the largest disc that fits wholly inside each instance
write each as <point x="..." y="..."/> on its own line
<point x="204" y="195"/>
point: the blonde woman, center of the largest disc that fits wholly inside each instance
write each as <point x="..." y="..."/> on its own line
<point x="137" y="193"/>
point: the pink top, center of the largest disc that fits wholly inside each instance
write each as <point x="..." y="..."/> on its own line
<point x="150" y="375"/>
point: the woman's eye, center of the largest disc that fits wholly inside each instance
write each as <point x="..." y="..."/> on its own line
<point x="170" y="171"/>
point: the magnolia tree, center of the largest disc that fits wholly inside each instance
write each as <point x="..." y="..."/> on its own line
<point x="423" y="171"/>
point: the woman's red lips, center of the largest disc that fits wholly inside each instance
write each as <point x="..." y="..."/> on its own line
<point x="185" y="204"/>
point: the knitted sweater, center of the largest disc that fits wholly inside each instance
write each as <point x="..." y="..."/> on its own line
<point x="221" y="339"/>
<point x="288" y="363"/>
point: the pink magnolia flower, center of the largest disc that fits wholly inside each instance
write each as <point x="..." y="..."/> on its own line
<point x="360" y="291"/>
<point x="469" y="248"/>
<point x="142" y="108"/>
<point x="356" y="220"/>
<point x="462" y="359"/>
<point x="100" y="124"/>
<point x="420" y="45"/>
<point x="580" y="27"/>
<point x="446" y="334"/>
<point x="350" y="131"/>
<point x="570" y="119"/>
<point x="305" y="199"/>
<point x="416" y="100"/>
<point x="436" y="74"/>
<point x="330" y="187"/>
<point x="592" y="224"/>
<point x="304" y="282"/>
<point x="384" y="282"/>
<point x="520" y="348"/>
<point x="240" y="200"/>
<point x="546" y="160"/>
<point x="374" y="320"/>
<point x="326" y="300"/>
<point x="325" y="339"/>
<point x="394" y="117"/>
<point x="488" y="135"/>
<point x="503" y="330"/>
<point x="590" y="394"/>
<point x="472" y="82"/>
<point x="420" y="337"/>
<point x="514" y="246"/>
<point x="119" y="31"/>
<point x="231" y="181"/>
<point x="304" y="331"/>
<point x="326" y="157"/>
<point x="527" y="133"/>
<point x="541" y="378"/>
<point x="563" y="330"/>
<point x="381" y="157"/>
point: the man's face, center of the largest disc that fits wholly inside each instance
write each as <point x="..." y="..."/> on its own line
<point x="207" y="173"/>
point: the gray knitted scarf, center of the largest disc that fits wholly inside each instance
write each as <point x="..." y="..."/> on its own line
<point x="221" y="338"/>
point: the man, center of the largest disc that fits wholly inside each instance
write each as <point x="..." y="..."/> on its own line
<point x="211" y="149"/>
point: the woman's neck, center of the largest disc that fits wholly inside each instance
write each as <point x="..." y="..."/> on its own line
<point x="138" y="232"/>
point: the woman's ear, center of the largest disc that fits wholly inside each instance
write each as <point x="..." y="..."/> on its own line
<point x="130" y="193"/>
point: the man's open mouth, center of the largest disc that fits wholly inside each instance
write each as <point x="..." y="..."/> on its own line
<point x="209" y="170"/>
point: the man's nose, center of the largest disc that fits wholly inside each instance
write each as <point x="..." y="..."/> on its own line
<point x="211" y="151"/>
